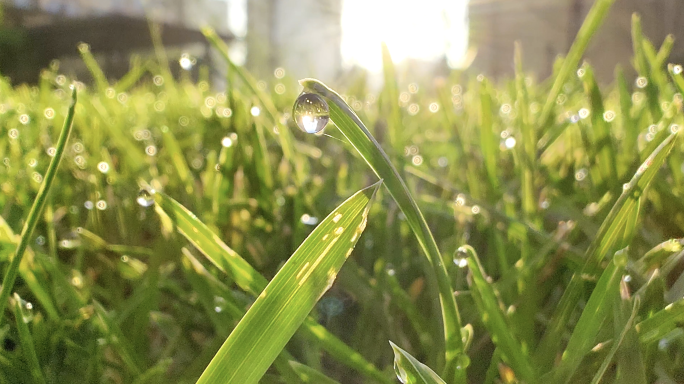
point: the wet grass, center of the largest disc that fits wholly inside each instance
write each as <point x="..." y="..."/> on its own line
<point x="551" y="210"/>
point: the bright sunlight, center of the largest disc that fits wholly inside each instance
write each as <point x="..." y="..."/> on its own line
<point x="426" y="30"/>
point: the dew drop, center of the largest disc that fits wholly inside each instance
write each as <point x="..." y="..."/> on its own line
<point x="145" y="198"/>
<point x="311" y="113"/>
<point x="677" y="69"/>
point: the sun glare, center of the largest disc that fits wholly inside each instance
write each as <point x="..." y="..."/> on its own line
<point x="425" y="29"/>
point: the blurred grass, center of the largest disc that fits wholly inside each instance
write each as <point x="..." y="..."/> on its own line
<point x="538" y="178"/>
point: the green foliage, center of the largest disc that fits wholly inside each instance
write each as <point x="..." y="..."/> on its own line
<point x="564" y="198"/>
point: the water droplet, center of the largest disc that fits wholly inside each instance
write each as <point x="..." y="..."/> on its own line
<point x="434" y="107"/>
<point x="145" y="198"/>
<point x="311" y="113"/>
<point x="581" y="174"/>
<point x="151" y="150"/>
<point x="101" y="205"/>
<point x="609" y="116"/>
<point x="677" y="69"/>
<point x="255" y="111"/>
<point x="40" y="240"/>
<point x="461" y="262"/>
<point x="510" y="142"/>
<point x="339" y="231"/>
<point x="627" y="278"/>
<point x="337" y="217"/>
<point x="103" y="167"/>
<point x="88" y="205"/>
<point x="460" y="200"/>
<point x="583" y="113"/>
<point x="51" y="151"/>
<point x="227" y="142"/>
<point x="641" y="82"/>
<point x="620" y="257"/>
<point x="475" y="209"/>
<point x="417" y="160"/>
<point x="186" y="61"/>
<point x="442" y="161"/>
<point x="309" y="220"/>
<point x="124" y="259"/>
<point x="574" y="119"/>
<point x="279" y="73"/>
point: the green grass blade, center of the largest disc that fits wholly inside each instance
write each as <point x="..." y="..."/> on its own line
<point x="285" y="136"/>
<point x="495" y="320"/>
<point x="661" y="323"/>
<point x="95" y="70"/>
<point x="26" y="341"/>
<point x="488" y="141"/>
<point x="310" y="375"/>
<point x="596" y="311"/>
<point x="591" y="24"/>
<point x="607" y="237"/>
<point x="222" y="256"/>
<point x="625" y="314"/>
<point x="642" y="66"/>
<point x="251" y="281"/>
<point x="358" y="135"/>
<point x="391" y="93"/>
<point x="287" y="300"/>
<point x="37" y="207"/>
<point x="411" y="371"/>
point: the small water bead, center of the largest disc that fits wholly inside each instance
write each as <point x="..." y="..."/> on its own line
<point x="674" y="128"/>
<point x="460" y="200"/>
<point x="581" y="72"/>
<point x="13" y="133"/>
<point x="609" y="116"/>
<point x="255" y="111"/>
<point x="60" y="79"/>
<point x="584" y="113"/>
<point x="51" y="151"/>
<point x="311" y="113"/>
<point x="510" y="142"/>
<point x="37" y="177"/>
<point x="40" y="240"/>
<point x="122" y="97"/>
<point x="581" y="174"/>
<point x="677" y="69"/>
<point x="32" y="163"/>
<point x="279" y="73"/>
<point x="151" y="150"/>
<point x="475" y="209"/>
<point x="103" y="167"/>
<point x="413" y="109"/>
<point x="641" y="82"/>
<point x="227" y="142"/>
<point x="88" y="205"/>
<point x="186" y="61"/>
<point x="417" y="160"/>
<point x="574" y="119"/>
<point x="145" y="198"/>
<point x="101" y="205"/>
<point x="434" y="107"/>
<point x="404" y="97"/>
<point x="158" y="80"/>
<point x="442" y="161"/>
<point x="280" y="88"/>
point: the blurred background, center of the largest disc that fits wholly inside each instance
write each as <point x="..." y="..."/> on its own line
<point x="328" y="39"/>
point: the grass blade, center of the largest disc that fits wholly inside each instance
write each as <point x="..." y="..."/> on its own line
<point x="592" y="319"/>
<point x="358" y="135"/>
<point x="252" y="282"/>
<point x="610" y="231"/>
<point x="591" y="24"/>
<point x="26" y="341"/>
<point x="287" y="300"/>
<point x="494" y="318"/>
<point x="38" y="205"/>
<point x="411" y="371"/>
<point x="661" y="323"/>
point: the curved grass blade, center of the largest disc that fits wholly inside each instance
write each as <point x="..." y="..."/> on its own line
<point x="411" y="371"/>
<point x="365" y="144"/>
<point x="37" y="207"/>
<point x="287" y="300"/>
<point x="26" y="341"/>
<point x="593" y="316"/>
<point x="495" y="320"/>
<point x="251" y="281"/>
<point x="611" y="230"/>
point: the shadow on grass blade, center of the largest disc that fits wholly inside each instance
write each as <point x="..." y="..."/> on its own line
<point x="285" y="303"/>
